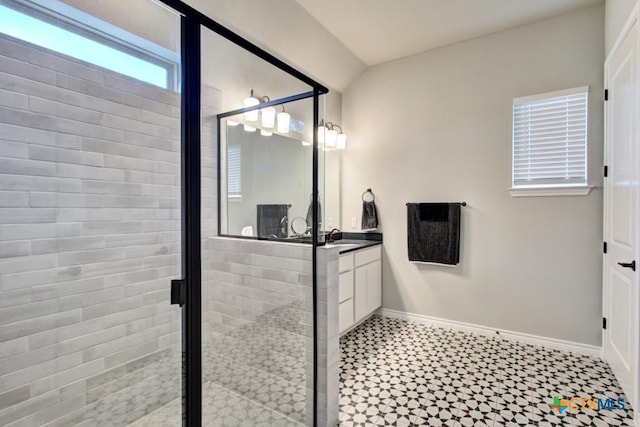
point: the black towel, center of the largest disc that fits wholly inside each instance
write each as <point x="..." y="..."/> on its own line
<point x="433" y="232"/>
<point x="369" y="215"/>
<point x="310" y="215"/>
<point x="273" y="221"/>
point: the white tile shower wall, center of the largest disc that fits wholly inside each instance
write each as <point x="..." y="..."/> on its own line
<point x="261" y="325"/>
<point x="89" y="240"/>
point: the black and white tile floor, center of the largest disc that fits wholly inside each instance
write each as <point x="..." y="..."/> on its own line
<point x="398" y="373"/>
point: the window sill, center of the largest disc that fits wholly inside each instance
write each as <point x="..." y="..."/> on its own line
<point x="550" y="191"/>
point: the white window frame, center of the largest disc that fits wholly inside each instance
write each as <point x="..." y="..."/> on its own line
<point x="235" y="195"/>
<point x="550" y="188"/>
<point x="90" y="27"/>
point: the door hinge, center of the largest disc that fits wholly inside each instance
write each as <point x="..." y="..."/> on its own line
<point x="604" y="323"/>
<point x="178" y="292"/>
<point x="604" y="247"/>
<point x="606" y="171"/>
<point x="606" y="94"/>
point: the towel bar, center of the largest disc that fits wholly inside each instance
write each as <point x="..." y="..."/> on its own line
<point x="461" y="203"/>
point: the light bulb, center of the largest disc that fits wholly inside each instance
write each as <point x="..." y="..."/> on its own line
<point x="232" y="123"/>
<point x="332" y="136"/>
<point x="321" y="131"/>
<point x="284" y="120"/>
<point x="251" y="116"/>
<point x="341" y="142"/>
<point x="268" y="117"/>
<point x="265" y="132"/>
<point x="248" y="128"/>
<point x="306" y="144"/>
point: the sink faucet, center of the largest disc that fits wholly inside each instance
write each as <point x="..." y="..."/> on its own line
<point x="330" y="238"/>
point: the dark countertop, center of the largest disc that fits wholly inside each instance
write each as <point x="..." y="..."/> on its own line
<point x="349" y="242"/>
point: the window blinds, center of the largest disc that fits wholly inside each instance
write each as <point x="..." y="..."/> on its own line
<point x="550" y="139"/>
<point x="234" y="173"/>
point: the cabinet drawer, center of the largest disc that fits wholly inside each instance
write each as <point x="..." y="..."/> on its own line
<point x="345" y="315"/>
<point x="345" y="286"/>
<point x="345" y="263"/>
<point x="366" y="256"/>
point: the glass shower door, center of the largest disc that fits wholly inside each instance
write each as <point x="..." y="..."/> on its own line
<point x="257" y="270"/>
<point x="90" y="214"/>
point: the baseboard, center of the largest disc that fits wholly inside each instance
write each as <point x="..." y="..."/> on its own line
<point x="588" y="350"/>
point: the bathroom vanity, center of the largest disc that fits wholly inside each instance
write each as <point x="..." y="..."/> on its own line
<point x="359" y="286"/>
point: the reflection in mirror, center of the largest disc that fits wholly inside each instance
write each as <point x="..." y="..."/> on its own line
<point x="266" y="175"/>
<point x="268" y="180"/>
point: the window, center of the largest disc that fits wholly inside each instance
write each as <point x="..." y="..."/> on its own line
<point x="66" y="30"/>
<point x="234" y="172"/>
<point x="550" y="143"/>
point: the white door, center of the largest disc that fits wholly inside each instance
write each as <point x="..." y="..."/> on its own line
<point x="621" y="293"/>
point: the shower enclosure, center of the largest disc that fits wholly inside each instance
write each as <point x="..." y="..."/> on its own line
<point x="126" y="153"/>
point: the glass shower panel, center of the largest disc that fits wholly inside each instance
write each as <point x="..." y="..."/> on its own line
<point x="258" y="365"/>
<point x="89" y="214"/>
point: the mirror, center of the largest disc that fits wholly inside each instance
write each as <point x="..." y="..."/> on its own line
<point x="299" y="225"/>
<point x="268" y="181"/>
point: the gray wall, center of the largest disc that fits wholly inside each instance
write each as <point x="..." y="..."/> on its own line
<point x="437" y="127"/>
<point x="616" y="14"/>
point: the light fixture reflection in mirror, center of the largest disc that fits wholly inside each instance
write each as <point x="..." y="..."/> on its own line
<point x="284" y="121"/>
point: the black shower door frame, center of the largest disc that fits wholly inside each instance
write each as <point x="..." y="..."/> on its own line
<point x="191" y="82"/>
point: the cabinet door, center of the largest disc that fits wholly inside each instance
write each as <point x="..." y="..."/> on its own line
<point x="360" y="293"/>
<point x="345" y="315"/>
<point x="345" y="286"/>
<point x="374" y="299"/>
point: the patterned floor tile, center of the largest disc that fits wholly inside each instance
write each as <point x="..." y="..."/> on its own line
<point x="430" y="376"/>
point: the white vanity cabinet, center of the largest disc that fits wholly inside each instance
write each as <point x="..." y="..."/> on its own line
<point x="359" y="291"/>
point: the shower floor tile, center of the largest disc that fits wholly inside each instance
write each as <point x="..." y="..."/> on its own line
<point x="399" y="373"/>
<point x="221" y="408"/>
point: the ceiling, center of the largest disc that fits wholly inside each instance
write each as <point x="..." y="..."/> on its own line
<point x="377" y="31"/>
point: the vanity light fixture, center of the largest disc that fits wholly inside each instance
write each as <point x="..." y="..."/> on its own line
<point x="284" y="121"/>
<point x="251" y="116"/>
<point x="267" y="116"/>
<point x="329" y="138"/>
